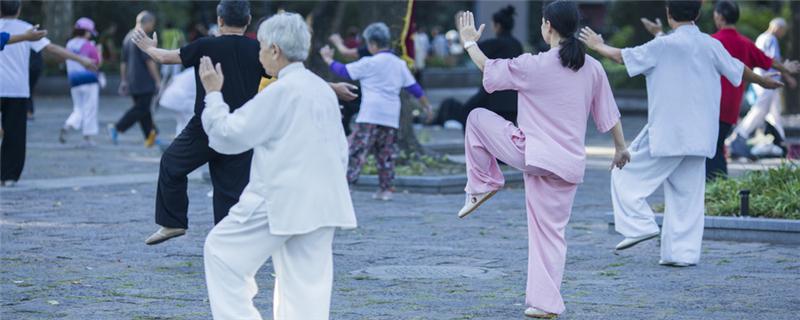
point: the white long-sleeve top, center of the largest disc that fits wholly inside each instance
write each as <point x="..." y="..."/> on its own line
<point x="298" y="173"/>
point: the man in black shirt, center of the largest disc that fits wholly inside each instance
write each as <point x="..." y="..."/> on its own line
<point x="239" y="57"/>
<point x="189" y="151"/>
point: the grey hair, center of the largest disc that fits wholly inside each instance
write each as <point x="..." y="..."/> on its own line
<point x="289" y="32"/>
<point x="778" y="23"/>
<point x="145" y="17"/>
<point x="378" y="34"/>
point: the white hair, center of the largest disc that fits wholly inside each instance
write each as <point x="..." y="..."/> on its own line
<point x="777" y="22"/>
<point x="289" y="32"/>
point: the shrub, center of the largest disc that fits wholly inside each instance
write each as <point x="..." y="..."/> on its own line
<point x="774" y="193"/>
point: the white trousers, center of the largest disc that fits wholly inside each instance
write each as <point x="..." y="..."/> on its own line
<point x="684" y="183"/>
<point x="303" y="264"/>
<point x="766" y="108"/>
<point x="84" y="109"/>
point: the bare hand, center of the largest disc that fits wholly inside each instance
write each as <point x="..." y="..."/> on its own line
<point x="591" y="39"/>
<point x="792" y="66"/>
<point x="466" y="27"/>
<point x="34" y="34"/>
<point x="769" y="83"/>
<point x="88" y="64"/>
<point x="791" y="82"/>
<point x="653" y="27"/>
<point x="123" y="88"/>
<point x="336" y="39"/>
<point x="428" y="113"/>
<point x="345" y="91"/>
<point x="621" y="158"/>
<point x="143" y="41"/>
<point x="210" y="76"/>
<point x="327" y="54"/>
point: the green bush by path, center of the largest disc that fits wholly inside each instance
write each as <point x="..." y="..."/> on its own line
<point x="774" y="193"/>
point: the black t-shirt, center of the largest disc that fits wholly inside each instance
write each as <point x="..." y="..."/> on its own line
<point x="238" y="56"/>
<point x="140" y="81"/>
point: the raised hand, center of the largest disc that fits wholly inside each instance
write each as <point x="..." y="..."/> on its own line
<point x="336" y="39"/>
<point x="34" y="34"/>
<point x="792" y="66"/>
<point x="210" y="76"/>
<point x="143" y="41"/>
<point x="621" y="158"/>
<point x="653" y="27"/>
<point x="591" y="39"/>
<point x="327" y="54"/>
<point x="466" y="27"/>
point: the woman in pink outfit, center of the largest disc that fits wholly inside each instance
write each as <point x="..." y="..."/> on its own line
<point x="558" y="90"/>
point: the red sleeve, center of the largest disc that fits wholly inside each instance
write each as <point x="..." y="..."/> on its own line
<point x="758" y="58"/>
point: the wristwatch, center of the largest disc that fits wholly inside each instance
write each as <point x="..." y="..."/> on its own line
<point x="469" y="44"/>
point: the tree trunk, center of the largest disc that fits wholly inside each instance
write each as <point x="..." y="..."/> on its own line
<point x="58" y="20"/>
<point x="792" y="95"/>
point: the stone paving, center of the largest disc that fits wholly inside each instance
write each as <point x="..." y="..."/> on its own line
<point x="72" y="248"/>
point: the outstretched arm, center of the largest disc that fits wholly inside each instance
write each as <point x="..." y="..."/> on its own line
<point x="470" y="36"/>
<point x="765" y="82"/>
<point x="150" y="46"/>
<point x="65" y="54"/>
<point x="337" y="41"/>
<point x="32" y="34"/>
<point x="595" y="42"/>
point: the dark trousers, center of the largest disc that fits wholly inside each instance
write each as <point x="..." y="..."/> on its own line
<point x="15" y="127"/>
<point x="718" y="166"/>
<point x="190" y="150"/>
<point x="140" y="112"/>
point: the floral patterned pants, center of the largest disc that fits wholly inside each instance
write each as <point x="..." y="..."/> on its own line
<point x="382" y="142"/>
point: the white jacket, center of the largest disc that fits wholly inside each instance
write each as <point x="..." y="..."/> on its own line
<point x="298" y="174"/>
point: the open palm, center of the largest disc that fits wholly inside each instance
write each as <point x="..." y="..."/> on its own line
<point x="466" y="27"/>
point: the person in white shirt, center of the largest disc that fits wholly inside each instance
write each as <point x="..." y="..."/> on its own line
<point x="768" y="102"/>
<point x="15" y="90"/>
<point x="682" y="70"/>
<point x="298" y="191"/>
<point x="382" y="76"/>
<point x="179" y="98"/>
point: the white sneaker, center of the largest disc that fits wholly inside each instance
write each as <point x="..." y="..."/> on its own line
<point x="8" y="183"/>
<point x="164" y="234"/>
<point x="630" y="242"/>
<point x="532" y="312"/>
<point x="474" y="201"/>
<point x="382" y="195"/>
<point x="675" y="264"/>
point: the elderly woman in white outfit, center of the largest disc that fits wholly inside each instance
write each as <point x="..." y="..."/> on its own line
<point x="298" y="191"/>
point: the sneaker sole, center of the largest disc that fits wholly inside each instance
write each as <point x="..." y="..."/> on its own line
<point x="638" y="242"/>
<point x="164" y="239"/>
<point x="475" y="207"/>
<point x="549" y="316"/>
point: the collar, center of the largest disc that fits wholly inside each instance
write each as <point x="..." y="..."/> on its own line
<point x="687" y="28"/>
<point x="290" y="68"/>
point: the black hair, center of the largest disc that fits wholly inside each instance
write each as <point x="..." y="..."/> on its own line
<point x="9" y="7"/>
<point x="505" y="18"/>
<point x="235" y="13"/>
<point x="729" y="11"/>
<point x="684" y="10"/>
<point x="79" y="32"/>
<point x="564" y="17"/>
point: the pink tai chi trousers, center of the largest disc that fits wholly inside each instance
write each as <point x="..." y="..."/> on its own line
<point x="548" y="201"/>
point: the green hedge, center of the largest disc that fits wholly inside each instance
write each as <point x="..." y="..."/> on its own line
<point x="774" y="193"/>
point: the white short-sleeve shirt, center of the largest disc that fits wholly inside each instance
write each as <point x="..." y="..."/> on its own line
<point x="382" y="77"/>
<point x="15" y="60"/>
<point x="682" y="70"/>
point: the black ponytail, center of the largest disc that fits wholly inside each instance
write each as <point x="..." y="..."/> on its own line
<point x="564" y="18"/>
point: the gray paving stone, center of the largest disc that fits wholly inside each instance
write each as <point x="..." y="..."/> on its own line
<point x="79" y="253"/>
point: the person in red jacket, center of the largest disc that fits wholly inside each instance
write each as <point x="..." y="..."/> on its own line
<point x="726" y="13"/>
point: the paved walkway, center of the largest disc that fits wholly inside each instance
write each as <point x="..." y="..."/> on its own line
<point x="71" y="247"/>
